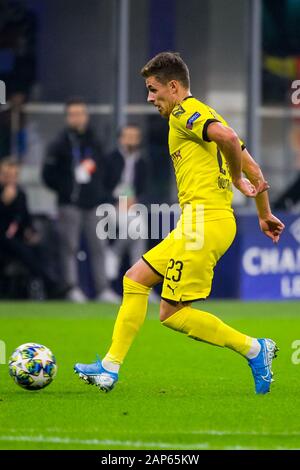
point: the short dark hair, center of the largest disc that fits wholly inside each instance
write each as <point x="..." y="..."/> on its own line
<point x="75" y="100"/>
<point x="126" y="126"/>
<point x="167" y="66"/>
<point x="9" y="161"/>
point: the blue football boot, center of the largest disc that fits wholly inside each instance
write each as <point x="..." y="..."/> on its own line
<point x="261" y="365"/>
<point x="96" y="374"/>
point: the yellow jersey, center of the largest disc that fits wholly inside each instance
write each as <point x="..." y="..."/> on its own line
<point x="201" y="171"/>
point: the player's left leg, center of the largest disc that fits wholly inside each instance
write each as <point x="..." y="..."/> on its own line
<point x="204" y="326"/>
<point x="188" y="278"/>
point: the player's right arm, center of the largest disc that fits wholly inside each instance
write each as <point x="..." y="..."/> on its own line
<point x="229" y="144"/>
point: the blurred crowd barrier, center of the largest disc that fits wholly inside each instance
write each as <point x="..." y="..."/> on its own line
<point x="32" y="126"/>
<point x="256" y="269"/>
<point x="32" y="129"/>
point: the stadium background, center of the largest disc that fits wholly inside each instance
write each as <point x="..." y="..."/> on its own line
<point x="243" y="57"/>
<point x="242" y="70"/>
<point x="104" y="46"/>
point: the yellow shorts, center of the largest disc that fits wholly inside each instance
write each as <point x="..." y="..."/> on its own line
<point x="186" y="259"/>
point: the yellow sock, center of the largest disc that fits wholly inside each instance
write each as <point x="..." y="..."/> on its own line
<point x="206" y="327"/>
<point x="130" y="318"/>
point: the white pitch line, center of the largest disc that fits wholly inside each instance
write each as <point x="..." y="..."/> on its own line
<point x="203" y="432"/>
<point x="105" y="442"/>
<point x="110" y="442"/>
<point x="134" y="444"/>
<point x="211" y="432"/>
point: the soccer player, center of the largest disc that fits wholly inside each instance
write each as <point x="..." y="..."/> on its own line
<point x="208" y="158"/>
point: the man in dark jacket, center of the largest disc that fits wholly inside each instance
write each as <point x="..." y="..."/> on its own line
<point x="76" y="170"/>
<point x="128" y="166"/>
<point x="128" y="178"/>
<point x="18" y="238"/>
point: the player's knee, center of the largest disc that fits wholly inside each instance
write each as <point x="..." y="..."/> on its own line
<point x="131" y="273"/>
<point x="135" y="273"/>
<point x="165" y="310"/>
<point x="140" y="272"/>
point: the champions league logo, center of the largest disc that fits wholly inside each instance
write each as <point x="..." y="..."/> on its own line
<point x="276" y="267"/>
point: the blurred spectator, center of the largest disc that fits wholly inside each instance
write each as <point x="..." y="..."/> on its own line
<point x="128" y="167"/>
<point x="76" y="170"/>
<point x="19" y="240"/>
<point x="129" y="178"/>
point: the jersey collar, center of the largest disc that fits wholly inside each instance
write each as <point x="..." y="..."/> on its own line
<point x="187" y="97"/>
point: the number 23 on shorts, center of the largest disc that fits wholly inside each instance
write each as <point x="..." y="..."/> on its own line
<point x="174" y="270"/>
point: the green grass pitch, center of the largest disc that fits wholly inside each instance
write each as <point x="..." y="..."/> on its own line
<point x="173" y="392"/>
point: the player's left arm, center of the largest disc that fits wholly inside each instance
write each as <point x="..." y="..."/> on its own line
<point x="254" y="185"/>
<point x="269" y="224"/>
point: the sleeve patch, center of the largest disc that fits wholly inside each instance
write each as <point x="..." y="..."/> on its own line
<point x="192" y="119"/>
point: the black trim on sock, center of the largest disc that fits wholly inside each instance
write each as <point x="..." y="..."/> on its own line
<point x="176" y="302"/>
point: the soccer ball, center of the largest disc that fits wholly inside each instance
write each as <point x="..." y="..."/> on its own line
<point x="32" y="366"/>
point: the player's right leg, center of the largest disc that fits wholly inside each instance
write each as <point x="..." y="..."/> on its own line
<point x="137" y="284"/>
